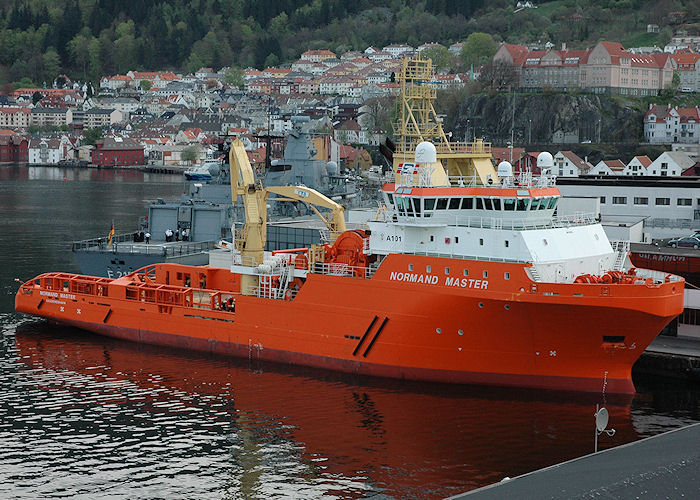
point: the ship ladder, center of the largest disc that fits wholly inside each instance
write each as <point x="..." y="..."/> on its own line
<point x="285" y="278"/>
<point x="535" y="275"/>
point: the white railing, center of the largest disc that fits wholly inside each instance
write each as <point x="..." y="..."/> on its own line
<point x="621" y="249"/>
<point x="657" y="276"/>
<point x="524" y="223"/>
<point x="337" y="269"/>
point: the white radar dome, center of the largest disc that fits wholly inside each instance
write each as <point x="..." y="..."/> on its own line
<point x="545" y="160"/>
<point x="425" y="153"/>
<point x="505" y="169"/>
<point x="332" y="168"/>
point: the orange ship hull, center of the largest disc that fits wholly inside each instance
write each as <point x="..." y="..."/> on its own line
<point x="435" y="326"/>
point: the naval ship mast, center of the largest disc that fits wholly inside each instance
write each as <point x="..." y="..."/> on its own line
<point x="418" y="122"/>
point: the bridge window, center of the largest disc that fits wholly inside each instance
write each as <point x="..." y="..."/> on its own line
<point x="552" y="203"/>
<point x="391" y="198"/>
<point x="523" y="203"/>
<point x="496" y="204"/>
<point x="442" y="204"/>
<point x="454" y="203"/>
<point x="543" y="203"/>
<point x="429" y="203"/>
<point x="467" y="203"/>
<point x="416" y="206"/>
<point x="509" y="204"/>
<point x="479" y="204"/>
<point x="535" y="204"/>
<point x="487" y="204"/>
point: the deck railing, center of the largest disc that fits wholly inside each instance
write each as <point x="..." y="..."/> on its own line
<point x="123" y="243"/>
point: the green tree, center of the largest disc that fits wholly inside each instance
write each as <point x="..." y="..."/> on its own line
<point x="52" y="64"/>
<point x="478" y="49"/>
<point x="91" y="135"/>
<point x="234" y="76"/>
<point x="439" y="55"/>
<point x="145" y="85"/>
<point x="190" y="153"/>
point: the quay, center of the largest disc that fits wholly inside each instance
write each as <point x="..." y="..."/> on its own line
<point x="673" y="357"/>
<point x="663" y="466"/>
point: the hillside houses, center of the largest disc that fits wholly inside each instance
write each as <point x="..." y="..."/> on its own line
<point x="606" y="69"/>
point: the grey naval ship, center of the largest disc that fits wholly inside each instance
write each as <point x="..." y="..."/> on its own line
<point x="186" y="230"/>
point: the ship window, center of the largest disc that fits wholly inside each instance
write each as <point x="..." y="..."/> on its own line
<point x="602" y="200"/>
<point x="409" y="206"/>
<point x="432" y="237"/>
<point x="481" y="241"/>
<point x="535" y="204"/>
<point x="487" y="204"/>
<point x="466" y="272"/>
<point x="447" y="270"/>
<point x="391" y="198"/>
<point x="479" y="203"/>
<point x="543" y="203"/>
<point x="509" y="204"/>
<point x="456" y="239"/>
<point x="410" y="267"/>
<point x="496" y="204"/>
<point x="552" y="203"/>
<point x="486" y="274"/>
<point x="467" y="203"/>
<point x="427" y="269"/>
<point x="442" y="204"/>
<point x="429" y="203"/>
<point x="454" y="203"/>
<point x="522" y="204"/>
<point x="507" y="243"/>
<point x="506" y="275"/>
<point x="416" y="205"/>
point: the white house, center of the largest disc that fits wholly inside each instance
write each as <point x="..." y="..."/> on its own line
<point x="637" y="166"/>
<point x="569" y="164"/>
<point x="670" y="163"/>
<point x="608" y="167"/>
<point x="666" y="125"/>
<point x="48" y="151"/>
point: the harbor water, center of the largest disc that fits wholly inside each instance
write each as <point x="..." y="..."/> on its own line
<point x="91" y="417"/>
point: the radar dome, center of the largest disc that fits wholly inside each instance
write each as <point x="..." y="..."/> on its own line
<point x="505" y="169"/>
<point x="545" y="160"/>
<point x="425" y="153"/>
<point x="332" y="168"/>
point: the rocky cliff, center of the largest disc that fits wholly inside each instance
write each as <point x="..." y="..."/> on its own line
<point x="551" y="119"/>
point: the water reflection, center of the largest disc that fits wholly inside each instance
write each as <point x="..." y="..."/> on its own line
<point x="105" y="415"/>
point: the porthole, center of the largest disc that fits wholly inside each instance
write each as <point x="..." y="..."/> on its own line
<point x="438" y="330"/>
<point x="461" y="332"/>
<point x="506" y="275"/>
<point x="507" y="307"/>
<point x="481" y="305"/>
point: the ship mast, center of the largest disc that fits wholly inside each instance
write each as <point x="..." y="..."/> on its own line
<point x="417" y="121"/>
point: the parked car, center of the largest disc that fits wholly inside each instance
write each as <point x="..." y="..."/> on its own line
<point x="688" y="241"/>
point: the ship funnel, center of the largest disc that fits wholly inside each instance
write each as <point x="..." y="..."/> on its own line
<point x="545" y="161"/>
<point x="426" y="153"/>
<point x="505" y="170"/>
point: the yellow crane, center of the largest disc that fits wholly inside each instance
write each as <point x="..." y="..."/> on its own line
<point x="251" y="243"/>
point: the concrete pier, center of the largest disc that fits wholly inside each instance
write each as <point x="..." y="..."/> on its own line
<point x="663" y="466"/>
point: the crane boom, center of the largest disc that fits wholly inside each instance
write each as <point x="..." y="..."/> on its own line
<point x="336" y="224"/>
